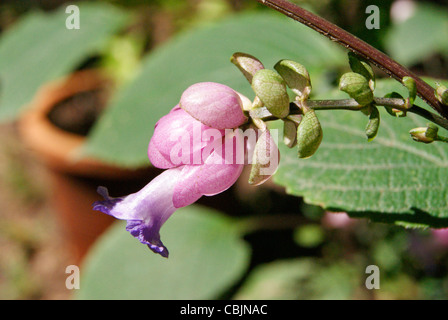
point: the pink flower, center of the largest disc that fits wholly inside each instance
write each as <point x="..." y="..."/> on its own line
<point x="441" y="236"/>
<point x="200" y="144"/>
<point x="337" y="220"/>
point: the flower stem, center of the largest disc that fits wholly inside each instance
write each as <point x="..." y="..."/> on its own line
<point x="352" y="105"/>
<point x="442" y="139"/>
<point x="351" y="42"/>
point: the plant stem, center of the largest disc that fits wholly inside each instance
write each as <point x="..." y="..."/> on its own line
<point x="442" y="139"/>
<point x="351" y="104"/>
<point x="351" y="42"/>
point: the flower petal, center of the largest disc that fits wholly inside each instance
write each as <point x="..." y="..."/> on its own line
<point x="177" y="140"/>
<point x="205" y="180"/>
<point x="147" y="234"/>
<point x="213" y="104"/>
<point x="158" y="159"/>
<point x="219" y="172"/>
<point x="146" y="210"/>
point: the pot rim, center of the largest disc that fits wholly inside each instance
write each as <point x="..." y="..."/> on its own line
<point x="57" y="148"/>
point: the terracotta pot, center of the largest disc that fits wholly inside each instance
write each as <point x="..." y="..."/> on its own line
<point x="74" y="181"/>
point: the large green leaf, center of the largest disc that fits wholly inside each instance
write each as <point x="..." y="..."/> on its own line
<point x="423" y="34"/>
<point x="276" y="280"/>
<point x="206" y="258"/>
<point x="39" y="48"/>
<point x="391" y="178"/>
<point x="301" y="279"/>
<point x="204" y="54"/>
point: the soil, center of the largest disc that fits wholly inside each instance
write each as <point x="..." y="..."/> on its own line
<point x="78" y="113"/>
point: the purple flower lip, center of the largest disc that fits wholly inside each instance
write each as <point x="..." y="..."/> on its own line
<point x="146" y="210"/>
<point x="106" y="205"/>
<point x="142" y="232"/>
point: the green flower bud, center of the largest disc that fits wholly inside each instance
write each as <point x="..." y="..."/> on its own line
<point x="409" y="83"/>
<point x="442" y="94"/>
<point x="357" y="87"/>
<point x="247" y="64"/>
<point x="265" y="159"/>
<point x="270" y="88"/>
<point x="373" y="124"/>
<point x="296" y="77"/>
<point x="392" y="111"/>
<point x="309" y="135"/>
<point x="361" y="66"/>
<point x="289" y="133"/>
<point x="425" y="134"/>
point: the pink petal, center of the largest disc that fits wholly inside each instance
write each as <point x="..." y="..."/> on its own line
<point x="158" y="159"/>
<point x="214" y="104"/>
<point x="441" y="236"/>
<point x="177" y="140"/>
<point x="219" y="172"/>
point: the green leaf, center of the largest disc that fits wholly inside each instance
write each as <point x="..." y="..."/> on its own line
<point x="301" y="279"/>
<point x="277" y="280"/>
<point x="206" y="258"/>
<point x="39" y="48"/>
<point x="423" y="34"/>
<point x="204" y="54"/>
<point x="338" y="281"/>
<point x="391" y="178"/>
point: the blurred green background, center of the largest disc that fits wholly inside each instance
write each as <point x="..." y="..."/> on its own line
<point x="291" y="250"/>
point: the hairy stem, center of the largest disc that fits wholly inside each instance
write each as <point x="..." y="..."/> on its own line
<point x="344" y="38"/>
<point x="351" y="104"/>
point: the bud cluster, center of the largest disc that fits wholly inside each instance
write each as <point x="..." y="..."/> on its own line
<point x="425" y="134"/>
<point x="441" y="94"/>
<point x="283" y="93"/>
<point x="271" y="88"/>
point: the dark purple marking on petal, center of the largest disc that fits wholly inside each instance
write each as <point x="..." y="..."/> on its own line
<point x="106" y="205"/>
<point x="147" y="234"/>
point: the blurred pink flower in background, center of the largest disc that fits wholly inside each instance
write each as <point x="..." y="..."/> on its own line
<point x="337" y="220"/>
<point x="441" y="236"/>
